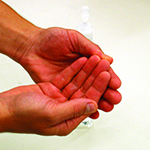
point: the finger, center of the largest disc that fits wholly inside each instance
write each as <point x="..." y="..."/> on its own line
<point x="62" y="79"/>
<point x="102" y="66"/>
<point x="94" y="115"/>
<point x="80" y="78"/>
<point x="99" y="86"/>
<point x="88" y="48"/>
<point x="52" y="91"/>
<point x="115" y="82"/>
<point x="105" y="105"/>
<point x="65" y="127"/>
<point x="72" y="109"/>
<point x="93" y="89"/>
<point x="112" y="96"/>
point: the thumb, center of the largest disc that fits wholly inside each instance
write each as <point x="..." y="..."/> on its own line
<point x="70" y="114"/>
<point x="75" y="108"/>
<point x="88" y="48"/>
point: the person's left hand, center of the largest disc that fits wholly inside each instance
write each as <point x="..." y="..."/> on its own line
<point x="49" y="51"/>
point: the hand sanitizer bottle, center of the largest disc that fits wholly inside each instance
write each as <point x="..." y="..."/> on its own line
<point x="87" y="30"/>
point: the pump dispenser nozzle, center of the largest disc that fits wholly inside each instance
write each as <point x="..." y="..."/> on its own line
<point x="85" y="13"/>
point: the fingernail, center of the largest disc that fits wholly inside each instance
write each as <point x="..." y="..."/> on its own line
<point x="90" y="108"/>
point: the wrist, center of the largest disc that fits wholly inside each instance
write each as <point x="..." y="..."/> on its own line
<point x="14" y="39"/>
<point x="14" y="31"/>
<point x="23" y="42"/>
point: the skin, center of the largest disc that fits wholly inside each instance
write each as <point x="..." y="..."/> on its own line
<point x="46" y="54"/>
<point x="44" y="110"/>
<point x="57" y="49"/>
<point x="84" y="79"/>
<point x="34" y="111"/>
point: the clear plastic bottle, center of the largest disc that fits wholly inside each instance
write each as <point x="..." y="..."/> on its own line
<point x="85" y="27"/>
<point x="87" y="30"/>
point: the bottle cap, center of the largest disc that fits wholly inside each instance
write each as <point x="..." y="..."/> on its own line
<point x="85" y="12"/>
<point x="85" y="9"/>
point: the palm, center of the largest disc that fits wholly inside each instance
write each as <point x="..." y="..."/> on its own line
<point x="88" y="79"/>
<point x="52" y="50"/>
<point x="47" y="58"/>
<point x="43" y="109"/>
<point x="34" y="109"/>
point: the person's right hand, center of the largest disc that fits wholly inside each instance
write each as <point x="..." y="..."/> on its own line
<point x="43" y="108"/>
<point x="88" y="82"/>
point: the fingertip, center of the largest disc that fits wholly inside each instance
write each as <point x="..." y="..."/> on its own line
<point x="106" y="62"/>
<point x="108" y="58"/>
<point x="105" y="75"/>
<point x="95" y="58"/>
<point x="91" y="107"/>
<point x="118" y="98"/>
<point x="115" y="83"/>
<point x="84" y="59"/>
<point x="105" y="65"/>
<point x="95" y="115"/>
<point x="112" y="96"/>
<point x="105" y="106"/>
<point x="78" y="64"/>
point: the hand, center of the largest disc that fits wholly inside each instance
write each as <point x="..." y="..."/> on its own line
<point x="42" y="109"/>
<point x="50" y="51"/>
<point x="88" y="82"/>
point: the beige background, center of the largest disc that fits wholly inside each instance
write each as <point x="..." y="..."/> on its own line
<point x="122" y="30"/>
